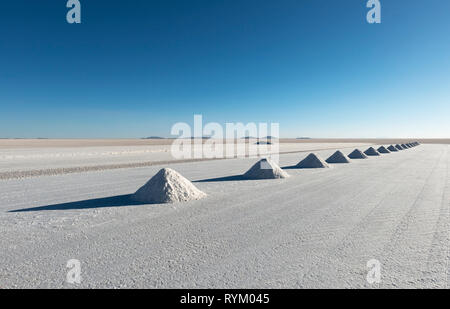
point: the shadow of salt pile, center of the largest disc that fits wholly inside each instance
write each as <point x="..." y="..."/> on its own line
<point x="113" y="201"/>
<point x="227" y="178"/>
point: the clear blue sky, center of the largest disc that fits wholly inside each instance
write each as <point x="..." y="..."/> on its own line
<point x="134" y="68"/>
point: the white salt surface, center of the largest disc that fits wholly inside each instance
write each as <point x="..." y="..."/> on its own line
<point x="318" y="228"/>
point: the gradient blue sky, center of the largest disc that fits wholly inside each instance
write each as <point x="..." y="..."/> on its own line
<point x="134" y="68"/>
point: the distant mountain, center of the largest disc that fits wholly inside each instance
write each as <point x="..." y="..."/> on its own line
<point x="193" y="137"/>
<point x="153" y="137"/>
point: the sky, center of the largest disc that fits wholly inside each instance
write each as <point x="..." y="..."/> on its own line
<point x="134" y="68"/>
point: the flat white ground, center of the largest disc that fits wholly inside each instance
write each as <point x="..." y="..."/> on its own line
<point x="13" y="158"/>
<point x="315" y="229"/>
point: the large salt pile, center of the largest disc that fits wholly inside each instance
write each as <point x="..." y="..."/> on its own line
<point x="392" y="148"/>
<point x="167" y="186"/>
<point x="371" y="152"/>
<point x="265" y="169"/>
<point x="357" y="154"/>
<point x="383" y="149"/>
<point x="312" y="161"/>
<point x="399" y="147"/>
<point x="338" y="157"/>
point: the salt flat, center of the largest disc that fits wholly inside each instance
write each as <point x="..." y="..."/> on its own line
<point x="45" y="158"/>
<point x="317" y="228"/>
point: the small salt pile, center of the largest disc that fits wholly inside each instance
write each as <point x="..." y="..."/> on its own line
<point x="383" y="149"/>
<point x="357" y="154"/>
<point x="392" y="148"/>
<point x="371" y="152"/>
<point x="167" y="186"/>
<point x="312" y="161"/>
<point x="338" y="157"/>
<point x="265" y="169"/>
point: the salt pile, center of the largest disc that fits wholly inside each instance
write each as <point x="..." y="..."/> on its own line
<point x="338" y="157"/>
<point x="383" y="149"/>
<point x="312" y="161"/>
<point x="265" y="169"/>
<point x="357" y="154"/>
<point x="371" y="152"/>
<point x="404" y="146"/>
<point x="399" y="147"/>
<point x="392" y="148"/>
<point x="167" y="186"/>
